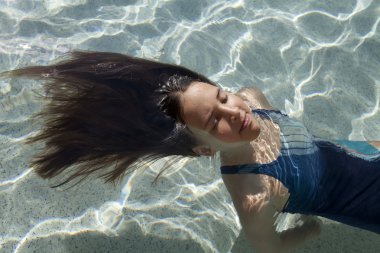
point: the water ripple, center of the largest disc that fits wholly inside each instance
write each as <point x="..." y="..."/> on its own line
<point x="317" y="60"/>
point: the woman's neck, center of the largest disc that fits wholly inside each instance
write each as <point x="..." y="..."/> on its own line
<point x="242" y="154"/>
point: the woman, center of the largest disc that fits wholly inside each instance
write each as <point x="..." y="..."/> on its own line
<point x="108" y="108"/>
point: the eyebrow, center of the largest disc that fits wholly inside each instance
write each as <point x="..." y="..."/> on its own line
<point x="211" y="113"/>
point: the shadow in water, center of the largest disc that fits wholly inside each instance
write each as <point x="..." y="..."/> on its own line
<point x="131" y="240"/>
<point x="334" y="238"/>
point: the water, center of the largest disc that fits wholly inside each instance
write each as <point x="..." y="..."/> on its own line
<point x="318" y="61"/>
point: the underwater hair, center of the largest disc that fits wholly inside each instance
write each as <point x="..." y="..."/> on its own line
<point x="109" y="109"/>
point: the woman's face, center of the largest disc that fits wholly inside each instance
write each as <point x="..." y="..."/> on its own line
<point x="216" y="117"/>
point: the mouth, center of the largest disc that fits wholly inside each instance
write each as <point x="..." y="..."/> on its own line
<point x="245" y="123"/>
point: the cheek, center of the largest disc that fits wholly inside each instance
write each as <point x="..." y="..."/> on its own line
<point x="224" y="129"/>
<point x="225" y="133"/>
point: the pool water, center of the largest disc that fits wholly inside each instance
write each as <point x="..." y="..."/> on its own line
<point x="318" y="61"/>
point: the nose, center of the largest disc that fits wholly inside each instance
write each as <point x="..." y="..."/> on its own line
<point x="231" y="113"/>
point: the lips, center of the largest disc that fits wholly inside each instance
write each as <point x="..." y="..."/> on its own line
<point x="245" y="123"/>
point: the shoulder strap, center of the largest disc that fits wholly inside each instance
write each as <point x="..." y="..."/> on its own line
<point x="241" y="168"/>
<point x="266" y="112"/>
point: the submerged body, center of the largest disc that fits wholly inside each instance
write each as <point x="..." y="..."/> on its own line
<point x="323" y="177"/>
<point x="299" y="173"/>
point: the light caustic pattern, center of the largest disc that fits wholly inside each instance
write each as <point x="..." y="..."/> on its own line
<point x="316" y="60"/>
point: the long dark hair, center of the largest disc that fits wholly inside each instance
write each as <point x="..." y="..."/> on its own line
<point x="109" y="109"/>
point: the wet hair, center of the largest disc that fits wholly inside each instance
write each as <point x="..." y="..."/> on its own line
<point x="109" y="109"/>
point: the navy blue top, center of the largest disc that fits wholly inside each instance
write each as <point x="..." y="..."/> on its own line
<point x="339" y="180"/>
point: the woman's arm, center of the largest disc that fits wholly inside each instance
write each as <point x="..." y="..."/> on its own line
<point x="255" y="98"/>
<point x="258" y="225"/>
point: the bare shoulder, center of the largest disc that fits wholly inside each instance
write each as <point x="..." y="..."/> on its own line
<point x="242" y="188"/>
<point x="255" y="98"/>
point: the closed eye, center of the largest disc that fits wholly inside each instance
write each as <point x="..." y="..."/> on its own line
<point x="215" y="124"/>
<point x="224" y="99"/>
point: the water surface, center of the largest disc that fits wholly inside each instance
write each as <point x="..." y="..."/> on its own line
<point x="317" y="61"/>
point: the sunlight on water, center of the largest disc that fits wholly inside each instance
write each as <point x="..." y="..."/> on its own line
<point x="318" y="61"/>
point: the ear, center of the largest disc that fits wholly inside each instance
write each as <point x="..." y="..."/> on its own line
<point x="204" y="150"/>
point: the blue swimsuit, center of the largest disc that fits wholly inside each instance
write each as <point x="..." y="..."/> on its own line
<point x="338" y="180"/>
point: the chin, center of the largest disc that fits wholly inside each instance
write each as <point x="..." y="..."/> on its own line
<point x="256" y="133"/>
